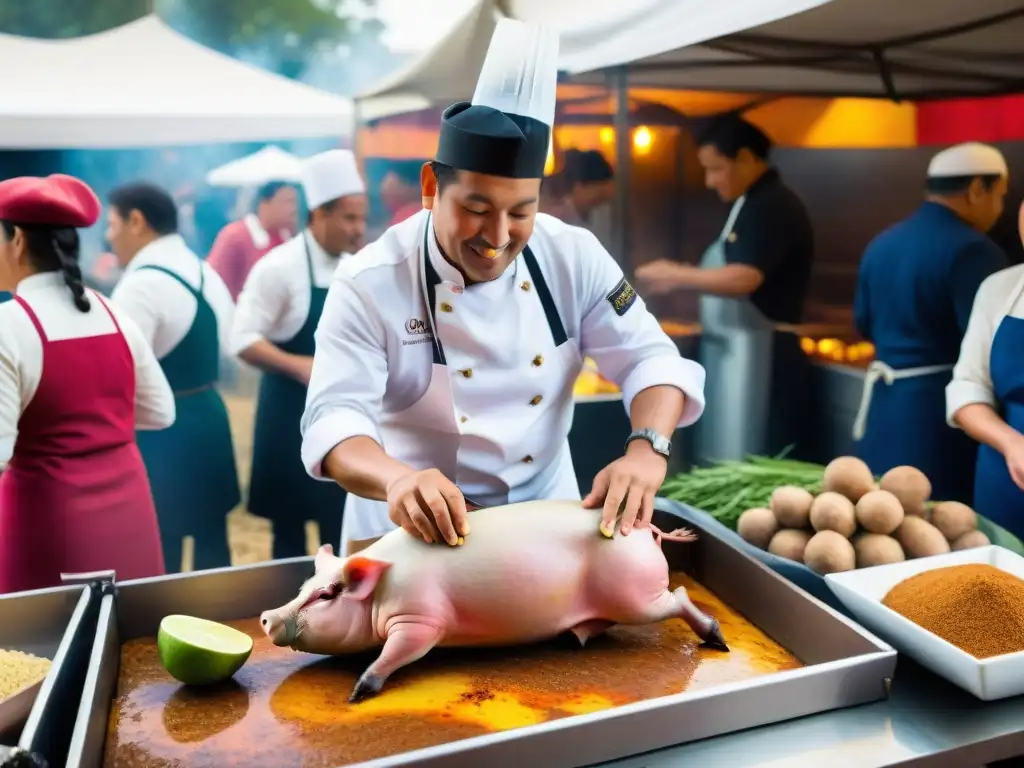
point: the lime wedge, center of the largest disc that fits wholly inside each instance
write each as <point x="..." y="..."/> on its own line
<point x="200" y="652"/>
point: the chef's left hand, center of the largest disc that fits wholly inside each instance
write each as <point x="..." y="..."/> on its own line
<point x="631" y="483"/>
<point x="661" y="276"/>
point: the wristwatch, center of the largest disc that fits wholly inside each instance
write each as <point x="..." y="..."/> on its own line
<point x="661" y="445"/>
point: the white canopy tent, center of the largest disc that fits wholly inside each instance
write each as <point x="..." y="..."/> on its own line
<point x="268" y="164"/>
<point x="832" y="48"/>
<point x="143" y="84"/>
<point x="868" y="48"/>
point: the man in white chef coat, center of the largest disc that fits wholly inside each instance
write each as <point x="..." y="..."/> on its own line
<point x="278" y="310"/>
<point x="448" y="349"/>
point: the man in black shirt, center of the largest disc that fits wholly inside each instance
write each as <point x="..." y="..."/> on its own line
<point x="752" y="279"/>
<point x="768" y="241"/>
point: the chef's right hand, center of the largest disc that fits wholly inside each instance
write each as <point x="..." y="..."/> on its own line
<point x="426" y="503"/>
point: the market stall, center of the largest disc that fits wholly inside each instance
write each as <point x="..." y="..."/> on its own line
<point x="185" y="94"/>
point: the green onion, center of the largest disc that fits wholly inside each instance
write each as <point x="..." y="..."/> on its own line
<point x="727" y="489"/>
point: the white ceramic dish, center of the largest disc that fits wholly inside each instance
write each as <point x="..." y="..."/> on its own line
<point x="15" y="709"/>
<point x="862" y="591"/>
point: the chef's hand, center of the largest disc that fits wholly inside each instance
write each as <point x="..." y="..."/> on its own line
<point x="419" y="501"/>
<point x="631" y="483"/>
<point x="661" y="276"/>
<point x="1015" y="461"/>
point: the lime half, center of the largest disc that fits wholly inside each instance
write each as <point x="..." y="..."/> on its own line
<point x="200" y="652"/>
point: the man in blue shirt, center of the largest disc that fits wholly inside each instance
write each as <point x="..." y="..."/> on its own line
<point x="915" y="289"/>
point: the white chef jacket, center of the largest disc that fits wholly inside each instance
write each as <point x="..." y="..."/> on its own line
<point x="502" y="433"/>
<point x="161" y="306"/>
<point x="274" y="303"/>
<point x="21" y="353"/>
<point x="999" y="296"/>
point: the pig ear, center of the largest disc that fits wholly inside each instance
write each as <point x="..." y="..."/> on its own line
<point x="323" y="557"/>
<point x="361" y="574"/>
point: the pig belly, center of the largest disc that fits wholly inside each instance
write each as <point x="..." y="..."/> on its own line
<point x="527" y="575"/>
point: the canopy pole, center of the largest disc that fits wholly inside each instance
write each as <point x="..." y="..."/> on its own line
<point x="619" y="82"/>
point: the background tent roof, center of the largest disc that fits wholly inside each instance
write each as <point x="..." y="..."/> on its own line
<point x="143" y="84"/>
<point x="268" y="164"/>
<point x="874" y="48"/>
<point x="800" y="47"/>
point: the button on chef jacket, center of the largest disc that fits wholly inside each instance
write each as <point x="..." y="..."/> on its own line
<point x="501" y="435"/>
<point x="990" y="370"/>
<point x="276" y="305"/>
<point x="916" y="285"/>
<point x="185" y="312"/>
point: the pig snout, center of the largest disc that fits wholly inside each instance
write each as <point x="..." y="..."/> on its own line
<point x="280" y="628"/>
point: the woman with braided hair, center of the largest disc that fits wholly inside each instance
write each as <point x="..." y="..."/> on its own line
<point x="77" y="378"/>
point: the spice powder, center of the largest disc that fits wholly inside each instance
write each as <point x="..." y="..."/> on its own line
<point x="978" y="608"/>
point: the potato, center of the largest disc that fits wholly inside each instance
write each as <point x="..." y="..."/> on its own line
<point x="791" y="506"/>
<point x="910" y="486"/>
<point x="849" y="476"/>
<point x="757" y="526"/>
<point x="789" y="543"/>
<point x="970" y="540"/>
<point x="919" y="538"/>
<point x="832" y="511"/>
<point x="879" y="512"/>
<point x="953" y="519"/>
<point x="829" y="552"/>
<point x="876" y="549"/>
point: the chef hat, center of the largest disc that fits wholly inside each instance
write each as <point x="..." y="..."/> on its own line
<point x="970" y="159"/>
<point x="506" y="129"/>
<point x="330" y="175"/>
<point x="56" y="201"/>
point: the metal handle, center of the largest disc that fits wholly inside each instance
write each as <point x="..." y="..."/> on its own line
<point x="87" y="577"/>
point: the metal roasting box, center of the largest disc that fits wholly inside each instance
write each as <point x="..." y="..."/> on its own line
<point x="845" y="665"/>
<point x="58" y="624"/>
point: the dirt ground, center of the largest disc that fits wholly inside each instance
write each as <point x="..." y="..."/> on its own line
<point x="250" y="536"/>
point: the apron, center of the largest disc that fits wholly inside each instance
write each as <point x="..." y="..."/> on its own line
<point x="737" y="348"/>
<point x="280" y="490"/>
<point x="74" y="497"/>
<point x="905" y="424"/>
<point x="191" y="464"/>
<point x="996" y="496"/>
<point x="427" y="434"/>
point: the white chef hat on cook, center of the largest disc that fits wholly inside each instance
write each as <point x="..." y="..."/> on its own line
<point x="330" y="175"/>
<point x="970" y="159"/>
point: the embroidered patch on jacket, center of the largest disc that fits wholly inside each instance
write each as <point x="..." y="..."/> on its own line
<point x="622" y="297"/>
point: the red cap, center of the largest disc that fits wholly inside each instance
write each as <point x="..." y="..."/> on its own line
<point x="56" y="201"/>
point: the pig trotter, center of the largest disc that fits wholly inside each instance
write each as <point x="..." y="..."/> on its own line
<point x="369" y="685"/>
<point x="706" y="627"/>
<point x="714" y="637"/>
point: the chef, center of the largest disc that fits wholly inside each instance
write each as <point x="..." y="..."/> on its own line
<point x="915" y="288"/>
<point x="985" y="397"/>
<point x="753" y="282"/>
<point x="244" y="242"/>
<point x="77" y="378"/>
<point x="448" y="349"/>
<point x="278" y="311"/>
<point x="185" y="313"/>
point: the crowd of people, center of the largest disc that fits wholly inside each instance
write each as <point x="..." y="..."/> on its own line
<point x="406" y="381"/>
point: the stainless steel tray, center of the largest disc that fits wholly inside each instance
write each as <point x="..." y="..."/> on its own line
<point x="46" y="623"/>
<point x="846" y="664"/>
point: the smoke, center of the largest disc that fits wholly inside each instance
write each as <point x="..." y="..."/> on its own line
<point x="346" y="70"/>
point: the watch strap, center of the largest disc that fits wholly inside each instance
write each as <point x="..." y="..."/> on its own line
<point x="661" y="444"/>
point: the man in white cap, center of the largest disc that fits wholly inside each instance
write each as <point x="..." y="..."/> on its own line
<point x="915" y="290"/>
<point x="278" y="311"/>
<point x="448" y="349"/>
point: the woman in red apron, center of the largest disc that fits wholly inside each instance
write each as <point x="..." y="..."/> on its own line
<point x="75" y="378"/>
